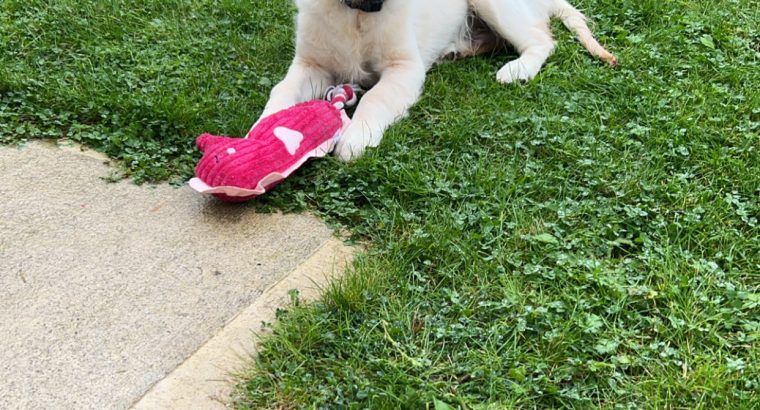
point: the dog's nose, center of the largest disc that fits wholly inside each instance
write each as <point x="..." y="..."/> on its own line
<point x="369" y="6"/>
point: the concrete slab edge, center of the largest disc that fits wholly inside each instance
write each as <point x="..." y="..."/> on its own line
<point x="205" y="380"/>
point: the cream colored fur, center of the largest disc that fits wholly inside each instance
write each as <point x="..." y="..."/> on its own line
<point x="393" y="49"/>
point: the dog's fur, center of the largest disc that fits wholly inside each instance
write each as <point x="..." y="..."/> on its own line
<point x="390" y="51"/>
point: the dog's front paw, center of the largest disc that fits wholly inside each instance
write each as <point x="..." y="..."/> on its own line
<point x="347" y="151"/>
<point x="515" y="71"/>
<point x="352" y="144"/>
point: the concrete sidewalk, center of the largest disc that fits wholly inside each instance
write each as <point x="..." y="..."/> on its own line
<point x="105" y="289"/>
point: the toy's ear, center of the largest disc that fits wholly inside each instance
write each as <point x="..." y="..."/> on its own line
<point x="206" y="141"/>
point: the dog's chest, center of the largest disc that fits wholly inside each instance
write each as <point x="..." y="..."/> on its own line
<point x="368" y="51"/>
<point x="353" y="46"/>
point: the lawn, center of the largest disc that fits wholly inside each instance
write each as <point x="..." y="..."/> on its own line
<point x="587" y="240"/>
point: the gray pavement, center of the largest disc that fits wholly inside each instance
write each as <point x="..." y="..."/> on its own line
<point x="105" y="288"/>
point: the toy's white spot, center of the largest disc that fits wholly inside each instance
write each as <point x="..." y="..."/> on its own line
<point x="231" y="151"/>
<point x="291" y="138"/>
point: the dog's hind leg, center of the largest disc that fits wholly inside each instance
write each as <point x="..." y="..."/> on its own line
<point x="525" y="28"/>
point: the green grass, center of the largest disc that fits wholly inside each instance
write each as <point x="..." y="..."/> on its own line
<point x="587" y="240"/>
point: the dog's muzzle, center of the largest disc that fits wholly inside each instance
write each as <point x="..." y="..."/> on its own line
<point x="369" y="6"/>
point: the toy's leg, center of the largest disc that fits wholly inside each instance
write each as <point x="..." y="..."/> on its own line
<point x="523" y="26"/>
<point x="398" y="89"/>
<point x="304" y="82"/>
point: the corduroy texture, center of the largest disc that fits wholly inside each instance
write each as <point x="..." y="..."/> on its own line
<point x="246" y="163"/>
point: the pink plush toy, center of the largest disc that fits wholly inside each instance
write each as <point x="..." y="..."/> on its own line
<point x="238" y="169"/>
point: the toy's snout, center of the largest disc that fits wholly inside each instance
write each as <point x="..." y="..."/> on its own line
<point x="203" y="141"/>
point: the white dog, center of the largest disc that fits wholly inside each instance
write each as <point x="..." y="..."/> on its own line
<point x="387" y="46"/>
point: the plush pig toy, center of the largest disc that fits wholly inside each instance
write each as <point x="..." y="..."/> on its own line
<point x="238" y="169"/>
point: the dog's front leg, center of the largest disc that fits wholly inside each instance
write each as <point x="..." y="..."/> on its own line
<point x="304" y="82"/>
<point x="399" y="88"/>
